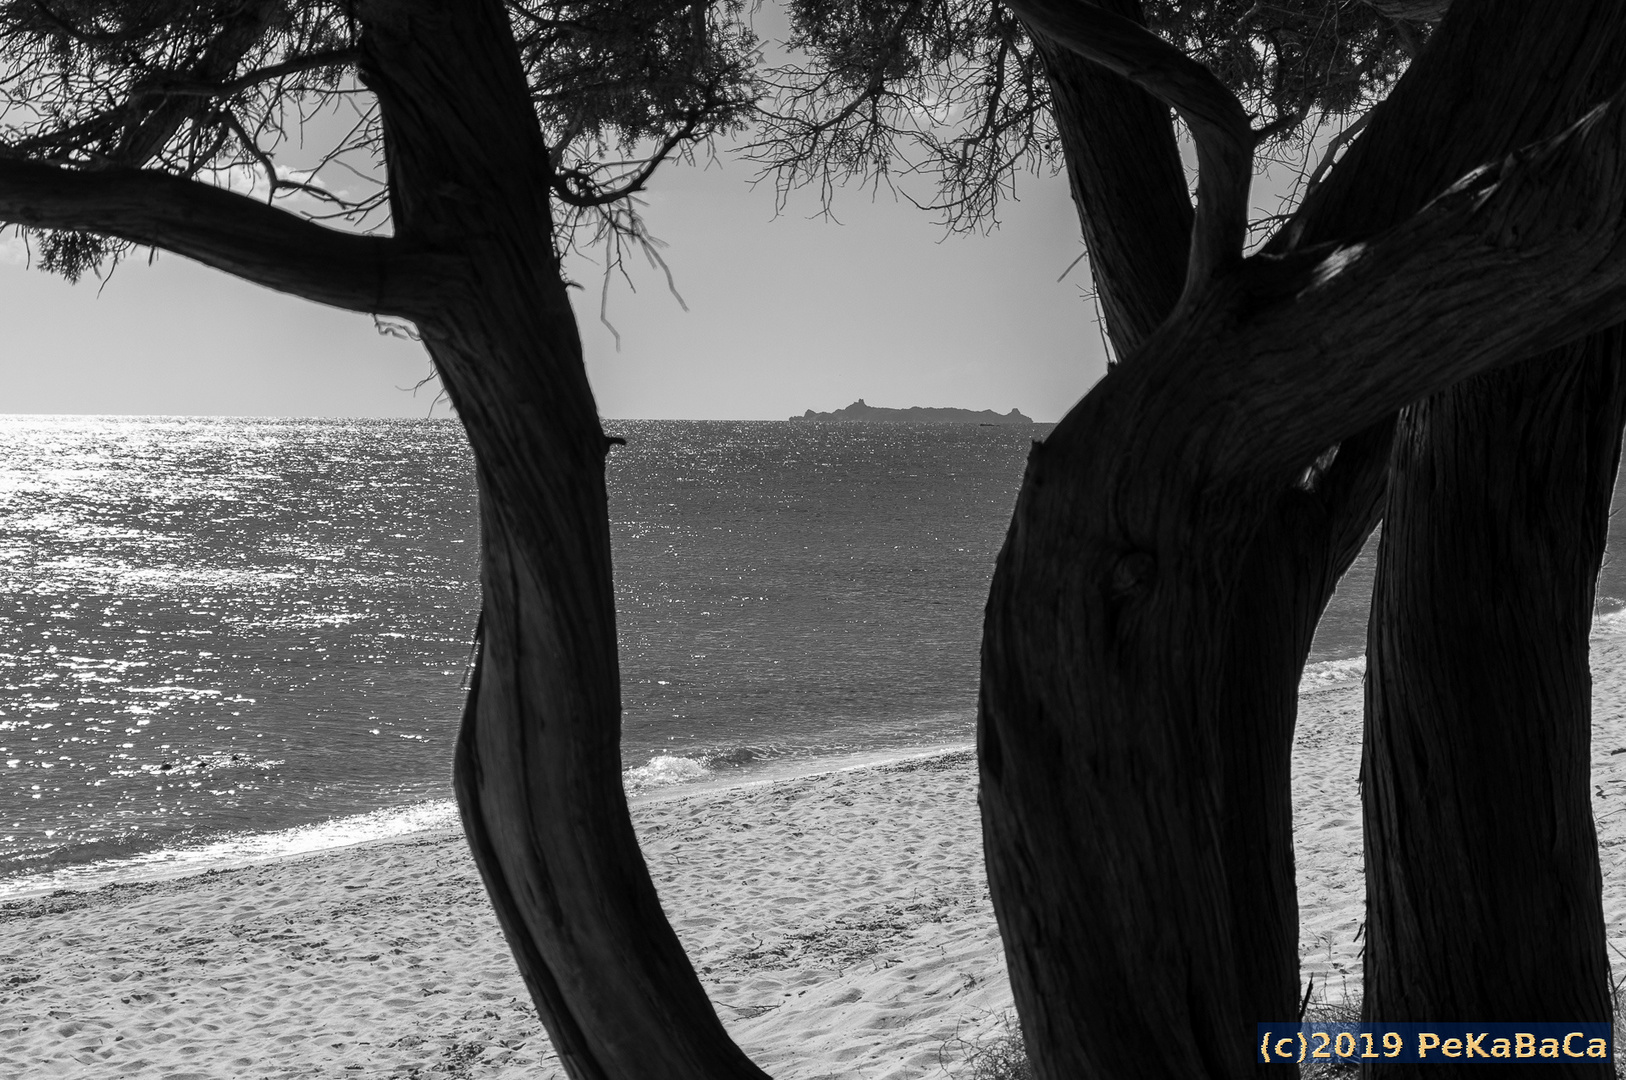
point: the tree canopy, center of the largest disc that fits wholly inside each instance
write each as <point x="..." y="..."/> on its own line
<point x="957" y="90"/>
<point x="226" y="92"/>
<point x="1458" y="276"/>
<point x="234" y="93"/>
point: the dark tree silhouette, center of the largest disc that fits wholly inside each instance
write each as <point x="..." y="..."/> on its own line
<point x="1263" y="593"/>
<point x="1176" y="537"/>
<point x="1477" y="760"/>
<point x="1479" y="914"/>
<point x="1479" y="703"/>
<point x="485" y="118"/>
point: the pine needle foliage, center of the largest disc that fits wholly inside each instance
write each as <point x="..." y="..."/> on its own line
<point x="954" y="91"/>
<point x="268" y="96"/>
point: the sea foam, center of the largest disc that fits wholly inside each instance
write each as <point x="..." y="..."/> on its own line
<point x="238" y="849"/>
<point x="1613" y="622"/>
<point x="1328" y="674"/>
<point x="663" y="771"/>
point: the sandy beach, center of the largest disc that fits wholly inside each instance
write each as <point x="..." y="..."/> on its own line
<point x="840" y="922"/>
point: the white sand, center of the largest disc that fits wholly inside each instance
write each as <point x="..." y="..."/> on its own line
<point x="840" y="923"/>
<point x="1327" y="817"/>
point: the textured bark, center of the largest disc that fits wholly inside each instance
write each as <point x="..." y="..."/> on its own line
<point x="1220" y="128"/>
<point x="1131" y="195"/>
<point x="231" y="232"/>
<point x="1412" y="10"/>
<point x="1484" y="891"/>
<point x="1105" y="780"/>
<point x="1129" y="187"/>
<point x="1130" y="190"/>
<point x="1099" y="743"/>
<point x="1483" y="885"/>
<point x="538" y="770"/>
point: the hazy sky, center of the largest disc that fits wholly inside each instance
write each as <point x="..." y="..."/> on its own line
<point x="784" y="315"/>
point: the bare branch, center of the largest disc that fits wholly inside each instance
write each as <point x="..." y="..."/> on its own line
<point x="237" y="36"/>
<point x="1219" y="125"/>
<point x="1334" y="144"/>
<point x="95" y="37"/>
<point x="180" y="87"/>
<point x="230" y="232"/>
<point x="1426" y="11"/>
<point x="252" y="145"/>
<point x="99" y="125"/>
<point x="585" y="195"/>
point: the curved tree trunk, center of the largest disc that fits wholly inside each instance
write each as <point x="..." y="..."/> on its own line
<point x="1436" y="128"/>
<point x="1130" y="189"/>
<point x="538" y="768"/>
<point x="1124" y="171"/>
<point x="1128" y="727"/>
<point x="1484" y="891"/>
<point x="1483" y="885"/>
<point x="1132" y="200"/>
<point x="1099" y="741"/>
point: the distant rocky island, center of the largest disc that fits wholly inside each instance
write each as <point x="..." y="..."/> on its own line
<point x="871" y="414"/>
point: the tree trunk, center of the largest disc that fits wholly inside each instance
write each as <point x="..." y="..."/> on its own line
<point x="1484" y="891"/>
<point x="1129" y="186"/>
<point x="1131" y="193"/>
<point x="1275" y="591"/>
<point x="538" y="768"/>
<point x="1483" y="884"/>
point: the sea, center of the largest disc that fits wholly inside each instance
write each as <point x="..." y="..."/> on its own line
<point x="227" y="639"/>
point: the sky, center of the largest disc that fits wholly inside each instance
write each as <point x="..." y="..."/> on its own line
<point x="786" y="312"/>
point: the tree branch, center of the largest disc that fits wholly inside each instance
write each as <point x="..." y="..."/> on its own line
<point x="1300" y="351"/>
<point x="252" y="145"/>
<point x="1335" y="144"/>
<point x="1429" y="11"/>
<point x="184" y="87"/>
<point x="1425" y="136"/>
<point x="1129" y="185"/>
<point x="587" y="198"/>
<point x="1219" y="125"/>
<point x="229" y="232"/>
<point x="237" y="35"/>
<point x="96" y="37"/>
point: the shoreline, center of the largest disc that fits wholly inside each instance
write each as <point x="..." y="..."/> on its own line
<point x="839" y="920"/>
<point x="681" y="775"/>
<point x="234" y="850"/>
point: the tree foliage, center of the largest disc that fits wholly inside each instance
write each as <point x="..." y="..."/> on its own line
<point x="954" y="89"/>
<point x="228" y="92"/>
<point x="950" y="89"/>
<point x="1176" y="536"/>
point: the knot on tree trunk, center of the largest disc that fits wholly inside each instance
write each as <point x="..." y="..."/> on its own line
<point x="1132" y="574"/>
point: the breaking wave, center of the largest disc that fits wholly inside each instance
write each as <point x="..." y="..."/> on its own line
<point x="1331" y="673"/>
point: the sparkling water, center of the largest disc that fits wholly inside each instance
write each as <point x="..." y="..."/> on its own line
<point x="227" y="638"/>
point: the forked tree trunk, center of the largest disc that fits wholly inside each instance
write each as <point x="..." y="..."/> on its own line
<point x="1416" y="145"/>
<point x="538" y="768"/>
<point x="1130" y="190"/>
<point x="1483" y="884"/>
<point x="1121" y="758"/>
<point x="1127" y="182"/>
<point x="1456" y="108"/>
